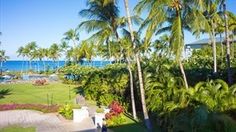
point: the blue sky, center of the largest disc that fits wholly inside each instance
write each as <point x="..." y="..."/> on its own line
<point x="45" y="21"/>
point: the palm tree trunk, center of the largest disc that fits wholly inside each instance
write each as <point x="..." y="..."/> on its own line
<point x="38" y="64"/>
<point x="227" y="45"/>
<point x="232" y="46"/>
<point x="22" y="65"/>
<point x="183" y="74"/>
<point x="222" y="47"/>
<point x="30" y="66"/>
<point x="131" y="89"/>
<point x="141" y="86"/>
<point x="214" y="48"/>
<point x="44" y="66"/>
<point x="58" y="64"/>
<point x="1" y="68"/>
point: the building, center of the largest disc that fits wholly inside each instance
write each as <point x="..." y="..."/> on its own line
<point x="188" y="48"/>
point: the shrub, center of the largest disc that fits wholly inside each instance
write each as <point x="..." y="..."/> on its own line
<point x="116" y="107"/>
<point x="99" y="110"/>
<point x="77" y="106"/>
<point x="116" y="120"/>
<point x="115" y="117"/>
<point x="40" y="82"/>
<point x="66" y="111"/>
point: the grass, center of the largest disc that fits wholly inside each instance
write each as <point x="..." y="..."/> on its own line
<point x="26" y="93"/>
<point x="130" y="126"/>
<point x="18" y="129"/>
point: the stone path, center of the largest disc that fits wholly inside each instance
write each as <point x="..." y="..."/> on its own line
<point x="44" y="122"/>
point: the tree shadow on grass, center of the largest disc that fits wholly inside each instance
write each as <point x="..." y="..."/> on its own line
<point x="4" y="92"/>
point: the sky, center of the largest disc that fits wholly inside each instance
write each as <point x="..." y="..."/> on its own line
<point x="45" y="21"/>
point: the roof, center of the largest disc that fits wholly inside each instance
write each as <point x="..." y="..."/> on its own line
<point x="207" y="41"/>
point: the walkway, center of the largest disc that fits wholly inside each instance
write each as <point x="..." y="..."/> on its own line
<point x="44" y="122"/>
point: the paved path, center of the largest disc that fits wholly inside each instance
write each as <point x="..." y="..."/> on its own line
<point x="44" y="122"/>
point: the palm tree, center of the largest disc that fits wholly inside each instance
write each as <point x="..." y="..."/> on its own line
<point x="20" y="52"/>
<point x="172" y="14"/>
<point x="30" y="49"/>
<point x="3" y="58"/>
<point x="141" y="85"/>
<point x="72" y="35"/>
<point x="104" y="19"/>
<point x="64" y="47"/>
<point x="128" y="53"/>
<point x="207" y="20"/>
<point x="54" y="53"/>
<point x="41" y="54"/>
<point x="227" y="43"/>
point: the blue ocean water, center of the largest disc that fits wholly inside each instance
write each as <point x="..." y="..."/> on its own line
<point x="39" y="65"/>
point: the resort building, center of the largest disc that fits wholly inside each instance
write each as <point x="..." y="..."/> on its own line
<point x="188" y="48"/>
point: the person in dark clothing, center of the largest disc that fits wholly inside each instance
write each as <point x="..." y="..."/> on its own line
<point x="104" y="125"/>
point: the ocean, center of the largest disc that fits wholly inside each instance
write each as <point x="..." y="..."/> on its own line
<point x="39" y="65"/>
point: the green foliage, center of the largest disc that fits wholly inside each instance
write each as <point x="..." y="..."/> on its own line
<point x="199" y="66"/>
<point x="116" y="120"/>
<point x="99" y="110"/>
<point x="103" y="85"/>
<point x="66" y="111"/>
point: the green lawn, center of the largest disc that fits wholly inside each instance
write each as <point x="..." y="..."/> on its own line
<point x="26" y="93"/>
<point x="129" y="126"/>
<point x="17" y="129"/>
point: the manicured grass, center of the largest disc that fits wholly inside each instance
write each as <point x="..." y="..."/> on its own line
<point x="17" y="129"/>
<point x="129" y="126"/>
<point x="26" y="93"/>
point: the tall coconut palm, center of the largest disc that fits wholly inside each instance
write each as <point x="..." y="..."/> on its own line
<point x="227" y="44"/>
<point x="72" y="35"/>
<point x="20" y="52"/>
<point x="64" y="47"/>
<point x="141" y="84"/>
<point x="128" y="53"/>
<point x="172" y="15"/>
<point x="104" y="19"/>
<point x="41" y="54"/>
<point x="54" y="53"/>
<point x="207" y="19"/>
<point x="30" y="49"/>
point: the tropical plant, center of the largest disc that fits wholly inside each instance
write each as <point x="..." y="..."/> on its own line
<point x="66" y="111"/>
<point x="21" y="52"/>
<point x="30" y="51"/>
<point x="173" y="15"/>
<point x="206" y="20"/>
<point x="137" y="58"/>
<point x="54" y="53"/>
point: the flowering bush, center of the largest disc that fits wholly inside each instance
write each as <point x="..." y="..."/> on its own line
<point x="115" y="109"/>
<point x="40" y="82"/>
<point x="115" y="117"/>
<point x="39" y="107"/>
